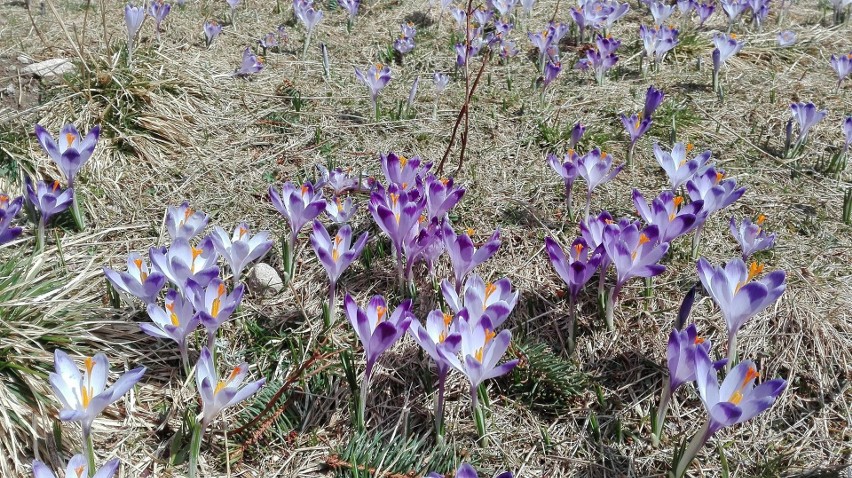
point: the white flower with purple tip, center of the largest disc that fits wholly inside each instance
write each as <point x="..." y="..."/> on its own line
<point x="218" y="394"/>
<point x="182" y="261"/>
<point x="78" y="467"/>
<point x="139" y="281"/>
<point x="241" y="248"/>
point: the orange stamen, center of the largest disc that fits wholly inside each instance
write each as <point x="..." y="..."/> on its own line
<point x="79" y="471"/>
<point x="470" y="232"/>
<point x="224" y="383"/>
<point x="643" y="239"/>
<point x="69" y="137"/>
<point x="719" y="177"/>
<point x="380" y="313"/>
<point x="689" y="147"/>
<point x="760" y="220"/>
<point x="754" y="270"/>
<point x="243" y="231"/>
<point x="678" y="200"/>
<point x="578" y="248"/>
<point x="448" y="319"/>
<point x="402" y="162"/>
<point x="55" y="185"/>
<point x="304" y="189"/>
<point x="699" y="340"/>
<point x="737" y="396"/>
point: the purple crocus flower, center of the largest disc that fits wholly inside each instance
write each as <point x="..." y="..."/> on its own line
<point x="704" y="11"/>
<point x="492" y="300"/>
<point x="504" y="7"/>
<point x="214" y="304"/>
<point x="686" y="6"/>
<point x="716" y="192"/>
<point x="299" y="206"/>
<point x="441" y="196"/>
<point x="661" y="12"/>
<point x="84" y="396"/>
<point x="335" y="255"/>
<point x="139" y="281"/>
<point x="340" y="181"/>
<point x="269" y="41"/>
<point x="464" y="255"/>
<point x="424" y="243"/>
<point x="403" y="44"/>
<point x="786" y="38"/>
<point x="528" y="5"/>
<point x="842" y="65"/>
<point x="806" y="115"/>
<point x="739" y="296"/>
<point x="250" y="65"/>
<point x="78" y="467"/>
<point x="376" y="77"/>
<point x="575" y="269"/>
<point x="678" y="168"/>
<point x="733" y="9"/>
<point x="212" y="29"/>
<point x="658" y="41"/>
<point x="438" y="340"/>
<point x="751" y="236"/>
<point x="176" y="321"/>
<point x="182" y="222"/>
<point x="847" y="132"/>
<point x="406" y="173"/>
<point x="735" y="401"/>
<point x="567" y="169"/>
<point x="653" y="99"/>
<point x="159" y="10"/>
<point x="307" y="14"/>
<point x="133" y="18"/>
<point x="463" y="54"/>
<point x="441" y="81"/>
<point x="667" y="212"/>
<point x="634" y="254"/>
<point x="636" y="126"/>
<point x="182" y="262"/>
<point x="397" y="212"/>
<point x="551" y="70"/>
<point x="465" y="470"/>
<point x="8" y="210"/>
<point x="541" y="41"/>
<point x="577" y="133"/>
<point x="595" y="167"/>
<point x="218" y="394"/>
<point x="378" y="330"/>
<point x="240" y="248"/>
<point x="47" y="200"/>
<point x="351" y="7"/>
<point x="340" y="211"/>
<point x="71" y="150"/>
<point x="727" y="45"/>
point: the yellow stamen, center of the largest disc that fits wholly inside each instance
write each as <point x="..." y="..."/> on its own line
<point x="737" y="396"/>
<point x="69" y="137"/>
<point x="5" y="199"/>
<point x="760" y="219"/>
<point x="448" y="319"/>
<point x="643" y="239"/>
<point x="175" y="320"/>
<point x="339" y="204"/>
<point x="754" y="270"/>
<point x="224" y="383"/>
<point x="603" y="155"/>
<point x="444" y="181"/>
<point x="489" y="289"/>
<point x="402" y="162"/>
<point x="733" y="36"/>
<point x="672" y="216"/>
<point x="335" y="254"/>
<point x="470" y="232"/>
<point x="489" y="335"/>
<point x="304" y="189"/>
<point x="689" y="147"/>
<point x="186" y="214"/>
<point x="243" y="231"/>
<point x="217" y="302"/>
<point x="404" y="185"/>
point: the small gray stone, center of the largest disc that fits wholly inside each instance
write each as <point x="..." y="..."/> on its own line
<point x="10" y="90"/>
<point x="49" y="68"/>
<point x="24" y="59"/>
<point x="264" y="280"/>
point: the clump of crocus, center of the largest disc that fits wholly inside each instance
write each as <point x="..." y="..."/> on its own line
<point x="309" y="16"/>
<point x="140" y="281"/>
<point x="241" y="248"/>
<point x="250" y="64"/>
<point x="735" y="401"/>
<point x="214" y="305"/>
<point x="212" y="29"/>
<point x="738" y="295"/>
<point x="70" y="152"/>
<point x="335" y="255"/>
<point x="377" y="329"/>
<point x="680" y="358"/>
<point x="726" y="46"/>
<point x="405" y="42"/>
<point x="351" y="7"/>
<point x="424" y="243"/>
<point x="751" y="236"/>
<point x="176" y="322"/>
<point x="678" y="168"/>
<point x="668" y="212"/>
<point x="133" y="18"/>
<point x="77" y="468"/>
<point x="733" y="9"/>
<point x="842" y="65"/>
<point x="704" y="11"/>
<point x="597" y="14"/>
<point x="375" y="78"/>
<point x="759" y="12"/>
<point x="595" y="167"/>
<point x="407" y="173"/>
<point x="442" y="195"/>
<point x="658" y="41"/>
<point x="84" y="396"/>
<point x="46" y="200"/>
<point x="182" y="261"/>
<point x="397" y="213"/>
<point x="158" y="10"/>
<point x="182" y="222"/>
<point x="216" y="395"/>
<point x="786" y="38"/>
<point x="634" y="253"/>
<point x="601" y="59"/>
<point x="575" y="269"/>
<point x="299" y="206"/>
<point x="482" y="300"/>
<point x="464" y="255"/>
<point x="465" y="470"/>
<point x="717" y="193"/>
<point x="465" y="52"/>
<point x="806" y="116"/>
<point x="438" y="339"/>
<point x="8" y="210"/>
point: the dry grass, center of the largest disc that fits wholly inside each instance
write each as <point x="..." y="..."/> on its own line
<point x="178" y="127"/>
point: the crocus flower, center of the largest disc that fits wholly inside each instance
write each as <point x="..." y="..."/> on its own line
<point x="739" y="296"/>
<point x="441" y="81"/>
<point x="567" y="169"/>
<point x="441" y="196"/>
<point x="504" y="7"/>
<point x="653" y="99"/>
<point x="375" y="78"/>
<point x="8" y="210"/>
<point x="403" y="172"/>
<point x="85" y="396"/>
<point x="133" y="18"/>
<point x="678" y="168"/>
<point x="661" y="12"/>
<point x="806" y="115"/>
<point x="847" y="132"/>
<point x="378" y="330"/>
<point x="704" y="11"/>
<point x="182" y="261"/>
<point x="78" y="467"/>
<point x="482" y="300"/>
<point x="465" y="470"/>
<point x="575" y="269"/>
<point x="551" y="71"/>
<point x="636" y="126"/>
<point x="218" y="394"/>
<point x="686" y="6"/>
<point x="464" y="53"/>
<point x="214" y="304"/>
<point x="339" y="210"/>
<point x="309" y="16"/>
<point x="159" y="10"/>
<point x="786" y="38"/>
<point x="726" y="47"/>
<point x="464" y="255"/>
<point x="211" y="30"/>
<point x="669" y="214"/>
<point x="176" y="322"/>
<point x="751" y="236"/>
<point x="299" y="206"/>
<point x="716" y="192"/>
<point x="595" y="167"/>
<point x="240" y="248"/>
<point x="842" y="65"/>
<point x="397" y="212"/>
<point x="338" y="180"/>
<point x="577" y="133"/>
<point x="250" y="65"/>
<point x="528" y="6"/>
<point x="335" y="255"/>
<point x="541" y="41"/>
<point x="735" y="401"/>
<point x="733" y="9"/>
<point x="47" y="200"/>
<point x="438" y="340"/>
<point x="71" y="150"/>
<point x="139" y="281"/>
<point x="634" y="253"/>
<point x="182" y="222"/>
<point x="424" y="243"/>
<point x="351" y="7"/>
<point x="658" y="41"/>
<point x="269" y="41"/>
<point x="403" y="45"/>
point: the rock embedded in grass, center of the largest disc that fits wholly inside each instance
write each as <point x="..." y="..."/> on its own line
<point x="264" y="280"/>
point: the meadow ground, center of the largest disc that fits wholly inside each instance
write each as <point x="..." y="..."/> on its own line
<point x="177" y="126"/>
